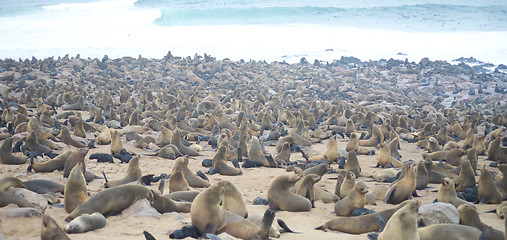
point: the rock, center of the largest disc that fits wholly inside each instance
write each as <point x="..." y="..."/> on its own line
<point x="141" y="208"/>
<point x="36" y="199"/>
<point x="438" y="213"/>
<point x="12" y="211"/>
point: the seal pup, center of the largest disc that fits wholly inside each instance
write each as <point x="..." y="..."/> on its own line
<point x="51" y="230"/>
<point x="403" y="223"/>
<point x="85" y="223"/>
<point x="488" y="191"/>
<point x="75" y="189"/>
<point x="447" y="193"/>
<point x="403" y="189"/>
<point x="165" y="204"/>
<point x="6" y="156"/>
<point x="112" y="201"/>
<point x="192" y="179"/>
<point x="355" y="199"/>
<point x="363" y="223"/>
<point x="468" y="216"/>
<point x="133" y="174"/>
<point x="280" y="197"/>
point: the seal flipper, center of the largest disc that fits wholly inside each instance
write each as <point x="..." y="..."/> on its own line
<point x="267" y="221"/>
<point x="161" y="185"/>
<point x="283" y="225"/>
<point x="373" y="236"/>
<point x="201" y="174"/>
<point x="148" y="236"/>
<point x="308" y="195"/>
<point x="389" y="194"/>
<point x="104" y="174"/>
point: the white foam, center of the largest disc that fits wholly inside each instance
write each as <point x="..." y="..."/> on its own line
<point x="118" y="28"/>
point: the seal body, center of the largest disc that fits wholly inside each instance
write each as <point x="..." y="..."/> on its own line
<point x="85" y="223"/>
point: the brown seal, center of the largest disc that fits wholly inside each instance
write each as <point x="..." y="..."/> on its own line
<point x="447" y="193"/>
<point x="116" y="145"/>
<point x="104" y="136"/>
<point x="386" y="160"/>
<point x="361" y="224"/>
<point x="494" y="149"/>
<point x="42" y="186"/>
<point x="51" y="230"/>
<point x="320" y="169"/>
<point x="283" y="156"/>
<point x="112" y="201"/>
<point x="192" y="179"/>
<point x="7" y="198"/>
<point x="348" y="183"/>
<point x="220" y="163"/>
<point x="75" y="189"/>
<point x="165" y="204"/>
<point x="466" y="178"/>
<point x="57" y="163"/>
<point x="177" y="181"/>
<point x="454" y="156"/>
<point x="280" y="197"/>
<point x="233" y="200"/>
<point x="501" y="183"/>
<point x="74" y="158"/>
<point x="433" y="145"/>
<point x="8" y="182"/>
<point x="421" y="176"/>
<point x="488" y="191"/>
<point x="376" y="137"/>
<point x="403" y="223"/>
<point x="6" y="156"/>
<point x="66" y="138"/>
<point x="79" y="129"/>
<point x="32" y="144"/>
<point x="403" y="189"/>
<point x="352" y="164"/>
<point x="353" y="145"/>
<point x="444" y="231"/>
<point x="331" y="153"/>
<point x="306" y="187"/>
<point x="255" y="153"/>
<point x="176" y="140"/>
<point x="85" y="223"/>
<point x="468" y="216"/>
<point x="133" y="174"/>
<point x="209" y="217"/>
<point x="355" y="199"/>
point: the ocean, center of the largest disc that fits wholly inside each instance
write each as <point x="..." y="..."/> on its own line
<point x="285" y="30"/>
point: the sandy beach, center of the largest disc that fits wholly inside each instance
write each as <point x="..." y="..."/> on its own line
<point x="378" y="87"/>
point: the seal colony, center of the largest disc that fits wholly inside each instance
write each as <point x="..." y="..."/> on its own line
<point x="337" y="138"/>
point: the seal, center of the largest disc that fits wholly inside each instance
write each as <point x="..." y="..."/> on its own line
<point x="494" y="150"/>
<point x="488" y="191"/>
<point x="280" y="197"/>
<point x="209" y="217"/>
<point x="353" y="145"/>
<point x="112" y="201"/>
<point x="454" y="156"/>
<point x="177" y="181"/>
<point x="283" y="156"/>
<point x="421" y="176"/>
<point x="385" y="159"/>
<point x="116" y="145"/>
<point x="104" y="136"/>
<point x="233" y="200"/>
<point x="376" y="137"/>
<point x="443" y="231"/>
<point x="331" y="153"/>
<point x="468" y="216"/>
<point x="7" y="198"/>
<point x="404" y="188"/>
<point x="447" y="193"/>
<point x="43" y="186"/>
<point x="57" y="163"/>
<point x="219" y="162"/>
<point x="320" y="169"/>
<point x="176" y="141"/>
<point x="75" y="189"/>
<point x="306" y="187"/>
<point x="32" y="144"/>
<point x="348" y="183"/>
<point x="79" y="129"/>
<point x="255" y="153"/>
<point x="355" y="199"/>
<point x="51" y="230"/>
<point x="165" y="204"/>
<point x="74" y="158"/>
<point x="66" y="138"/>
<point x="6" y="156"/>
<point x="466" y="177"/>
<point x="8" y="182"/>
<point x="501" y="183"/>
<point x="133" y="174"/>
<point x="85" y="223"/>
<point x="352" y="164"/>
<point x="363" y="223"/>
<point x="403" y="223"/>
<point x="192" y="179"/>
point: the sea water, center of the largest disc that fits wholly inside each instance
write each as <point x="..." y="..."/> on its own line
<point x="285" y="30"/>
